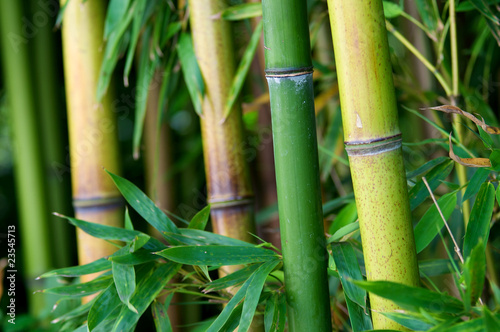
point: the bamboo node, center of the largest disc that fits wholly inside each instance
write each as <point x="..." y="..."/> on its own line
<point x="372" y="147"/>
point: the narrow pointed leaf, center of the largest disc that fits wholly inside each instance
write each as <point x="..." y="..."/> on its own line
<point x="253" y="294"/>
<point x="476" y="266"/>
<point x="217" y="255"/>
<point x="199" y="221"/>
<point x="419" y="192"/>
<point x="271" y="313"/>
<point x="104" y="305"/>
<point x="160" y="315"/>
<point x="343" y="232"/>
<point x="82" y="289"/>
<point x="199" y="237"/>
<point x="491" y="322"/>
<point x="146" y="291"/>
<point x="475" y="182"/>
<point x="234" y="279"/>
<point x="242" y="71"/>
<point x="140" y="256"/>
<point x="391" y="9"/>
<point x="124" y="277"/>
<point x="143" y="205"/>
<point x="191" y="71"/>
<point x="411" y="320"/>
<point x="116" y="12"/>
<point x="431" y="223"/>
<point x="478" y="227"/>
<point x="80" y="270"/>
<point x="134" y="36"/>
<point x="413" y="298"/>
<point x="243" y="11"/>
<point x="425" y="167"/>
<point x="346" y="216"/>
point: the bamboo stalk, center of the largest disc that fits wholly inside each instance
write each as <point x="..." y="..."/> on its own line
<point x="230" y="192"/>
<point x="50" y="111"/>
<point x="92" y="126"/>
<point x="32" y="234"/>
<point x="289" y="76"/>
<point x="373" y="142"/>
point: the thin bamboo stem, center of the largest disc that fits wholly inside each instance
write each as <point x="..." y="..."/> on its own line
<point x="373" y="143"/>
<point x="92" y="126"/>
<point x="32" y="234"/>
<point x="289" y="76"/>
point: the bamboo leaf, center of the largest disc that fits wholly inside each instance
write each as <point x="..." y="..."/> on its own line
<point x="343" y="232"/>
<point x="115" y="13"/>
<point x="431" y="223"/>
<point x="491" y="322"/>
<point x="253" y="294"/>
<point x="191" y="71"/>
<point x="419" y="192"/>
<point x="427" y="14"/>
<point x="495" y="160"/>
<point x="106" y="232"/>
<point x="412" y="320"/>
<point x="242" y="71"/>
<point x="160" y="315"/>
<point x="425" y="167"/>
<point x="143" y="205"/>
<point x="473" y="325"/>
<point x="199" y="237"/>
<point x="475" y="272"/>
<point x="77" y="312"/>
<point x="217" y="255"/>
<point x="124" y="277"/>
<point x="348" y="268"/>
<point x="134" y="37"/>
<point x="475" y="182"/>
<point x="199" y="221"/>
<point x="241" y="12"/>
<point x="391" y="9"/>
<point x="346" y="216"/>
<point x="434" y="267"/>
<point x="413" y="298"/>
<point x="469" y="162"/>
<point x="233" y="279"/>
<point x="82" y="289"/>
<point x="330" y="206"/>
<point x="483" y="7"/>
<point x="478" y="227"/>
<point x="76" y="271"/>
<point x="271" y="313"/>
<point x="140" y="256"/>
<point x="281" y="313"/>
<point x="104" y="305"/>
<point x="147" y="290"/>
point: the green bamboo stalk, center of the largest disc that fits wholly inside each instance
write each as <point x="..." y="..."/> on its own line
<point x="289" y="76"/>
<point x="92" y="126"/>
<point x="50" y="110"/>
<point x="373" y="143"/>
<point x="230" y="192"/>
<point x="32" y="235"/>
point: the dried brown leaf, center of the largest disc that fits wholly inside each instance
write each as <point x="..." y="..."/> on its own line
<point x="455" y="110"/>
<point x="469" y="162"/>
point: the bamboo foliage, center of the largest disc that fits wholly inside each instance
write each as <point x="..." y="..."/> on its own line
<point x="92" y="125"/>
<point x="373" y="143"/>
<point x="230" y="192"/>
<point x="289" y="76"/>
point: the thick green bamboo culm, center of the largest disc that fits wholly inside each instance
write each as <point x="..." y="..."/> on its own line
<point x="289" y="76"/>
<point x="32" y="235"/>
<point x="373" y="143"/>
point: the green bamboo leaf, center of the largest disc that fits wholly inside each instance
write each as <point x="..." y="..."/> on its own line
<point x="199" y="221"/>
<point x="427" y="14"/>
<point x="160" y="315"/>
<point x="412" y="320"/>
<point x="413" y="298"/>
<point x="475" y="272"/>
<point x="473" y="325"/>
<point x="391" y="9"/>
<point x="233" y="279"/>
<point x="241" y="12"/>
<point x="348" y="268"/>
<point x="253" y="293"/>
<point x="346" y="216"/>
<point x="191" y="71"/>
<point x="199" y="237"/>
<point x="128" y="222"/>
<point x="427" y="166"/>
<point x="217" y="255"/>
<point x="143" y="205"/>
<point x="112" y="51"/>
<point x="475" y="182"/>
<point x="124" y="277"/>
<point x="172" y="29"/>
<point x="466" y="6"/>
<point x="105" y="304"/>
<point x="80" y="270"/>
<point x="483" y="7"/>
<point x="140" y="256"/>
<point x="271" y="313"/>
<point x="431" y="223"/>
<point x="343" y="232"/>
<point x="434" y="267"/>
<point x="106" y="232"/>
<point x="281" y="312"/>
<point x="332" y="205"/>
<point x="147" y="290"/>
<point x="77" y="312"/>
<point x="495" y="159"/>
<point x="82" y="289"/>
<point x="234" y="319"/>
<point x="134" y="37"/>
<point x="478" y="227"/>
<point x="419" y="192"/>
<point x="242" y="71"/>
<point x="491" y="322"/>
<point x="115" y="13"/>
